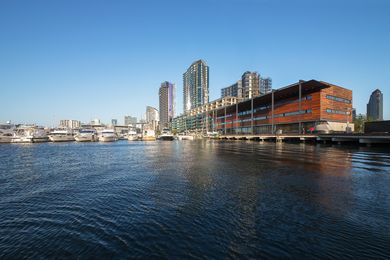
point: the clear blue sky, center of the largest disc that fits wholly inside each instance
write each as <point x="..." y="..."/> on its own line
<point x="72" y="59"/>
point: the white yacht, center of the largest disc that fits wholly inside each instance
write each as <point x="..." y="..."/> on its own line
<point x="108" y="135"/>
<point x="86" y="135"/>
<point x="122" y="137"/>
<point x="40" y="136"/>
<point x="185" y="136"/>
<point x="212" y="135"/>
<point x="61" y="135"/>
<point x="6" y="132"/>
<point x="23" y="135"/>
<point x="149" y="135"/>
<point x="166" y="135"/>
<point x="132" y="135"/>
<point x="5" y="137"/>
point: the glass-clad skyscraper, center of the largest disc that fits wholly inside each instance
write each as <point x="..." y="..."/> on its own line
<point x="195" y="85"/>
<point x="375" y="106"/>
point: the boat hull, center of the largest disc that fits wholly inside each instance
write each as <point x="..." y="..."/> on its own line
<point x="132" y="138"/>
<point x="107" y="138"/>
<point x="61" y="138"/>
<point x="166" y="138"/>
<point x="148" y="138"/>
<point x="85" y="138"/>
<point x="22" y="140"/>
<point x="40" y="139"/>
<point x="5" y="139"/>
<point x="185" y="137"/>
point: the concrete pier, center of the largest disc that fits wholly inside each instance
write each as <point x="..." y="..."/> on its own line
<point x="322" y="138"/>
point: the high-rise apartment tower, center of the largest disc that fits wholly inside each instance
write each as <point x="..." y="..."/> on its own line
<point x="265" y="85"/>
<point x="250" y="84"/>
<point x="195" y="85"/>
<point x="166" y="104"/>
<point x="234" y="90"/>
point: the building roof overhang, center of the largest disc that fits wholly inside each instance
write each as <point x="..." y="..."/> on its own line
<point x="289" y="91"/>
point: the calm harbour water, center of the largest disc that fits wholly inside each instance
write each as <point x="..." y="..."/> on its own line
<point x="193" y="199"/>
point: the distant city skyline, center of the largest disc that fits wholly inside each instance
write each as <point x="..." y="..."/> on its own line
<point x="84" y="60"/>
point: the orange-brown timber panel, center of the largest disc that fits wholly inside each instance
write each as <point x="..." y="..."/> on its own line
<point x="336" y="105"/>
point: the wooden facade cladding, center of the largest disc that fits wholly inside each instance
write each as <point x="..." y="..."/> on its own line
<point x="264" y="116"/>
<point x="327" y="103"/>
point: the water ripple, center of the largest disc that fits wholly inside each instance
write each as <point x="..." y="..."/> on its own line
<point x="208" y="199"/>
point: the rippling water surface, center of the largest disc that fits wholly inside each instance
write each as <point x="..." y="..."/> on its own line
<point x="193" y="200"/>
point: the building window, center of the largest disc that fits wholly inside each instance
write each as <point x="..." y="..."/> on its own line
<point x="260" y="108"/>
<point x="283" y="102"/>
<point x="339" y="112"/>
<point x="293" y="113"/>
<point x="243" y="113"/>
<point x="338" y="99"/>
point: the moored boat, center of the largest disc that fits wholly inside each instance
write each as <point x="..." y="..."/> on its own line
<point x="212" y="135"/>
<point x="23" y="135"/>
<point x="166" y="135"/>
<point x="6" y="137"/>
<point x="132" y="135"/>
<point x="6" y="132"/>
<point x="61" y="135"/>
<point x="86" y="135"/>
<point x="149" y="135"/>
<point x="40" y="136"/>
<point x="108" y="135"/>
<point x="185" y="136"/>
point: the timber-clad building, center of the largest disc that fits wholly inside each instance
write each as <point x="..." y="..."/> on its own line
<point x="297" y="108"/>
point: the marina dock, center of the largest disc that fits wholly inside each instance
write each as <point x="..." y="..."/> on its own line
<point x="321" y="138"/>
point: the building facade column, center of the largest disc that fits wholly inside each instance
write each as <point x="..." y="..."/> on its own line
<point x="252" y="132"/>
<point x="225" y="120"/>
<point x="213" y="121"/>
<point x="272" y="113"/>
<point x="300" y="108"/>
<point x="236" y="118"/>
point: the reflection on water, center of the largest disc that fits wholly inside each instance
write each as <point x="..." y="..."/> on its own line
<point x="193" y="199"/>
